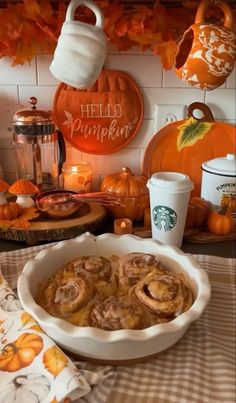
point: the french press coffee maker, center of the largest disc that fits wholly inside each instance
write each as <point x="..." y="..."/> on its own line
<point x="39" y="148"/>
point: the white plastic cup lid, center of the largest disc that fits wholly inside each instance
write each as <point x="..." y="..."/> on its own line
<point x="173" y="182"/>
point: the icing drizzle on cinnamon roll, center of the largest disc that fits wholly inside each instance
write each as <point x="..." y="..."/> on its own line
<point x="114" y="313"/>
<point x="135" y="266"/>
<point x="164" y="294"/>
<point x="67" y="297"/>
<point x="92" y="267"/>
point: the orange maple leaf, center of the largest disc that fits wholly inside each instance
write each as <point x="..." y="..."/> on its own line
<point x="167" y="52"/>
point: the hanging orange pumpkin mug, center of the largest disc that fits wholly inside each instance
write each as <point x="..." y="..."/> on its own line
<point x="206" y="53"/>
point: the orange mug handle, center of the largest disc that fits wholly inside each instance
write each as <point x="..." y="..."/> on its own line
<point x="205" y="4"/>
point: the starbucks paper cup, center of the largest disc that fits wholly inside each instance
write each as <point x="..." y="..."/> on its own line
<point x="169" y="197"/>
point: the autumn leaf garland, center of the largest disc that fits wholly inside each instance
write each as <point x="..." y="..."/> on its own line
<point x="33" y="26"/>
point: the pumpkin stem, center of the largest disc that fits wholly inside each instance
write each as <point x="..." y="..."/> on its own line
<point x="16" y="382"/>
<point x="126" y="171"/>
<point x="6" y="351"/>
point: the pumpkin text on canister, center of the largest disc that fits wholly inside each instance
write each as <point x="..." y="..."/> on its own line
<point x="102" y="119"/>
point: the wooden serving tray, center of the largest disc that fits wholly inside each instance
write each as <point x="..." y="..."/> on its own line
<point x="196" y="235"/>
<point x="90" y="217"/>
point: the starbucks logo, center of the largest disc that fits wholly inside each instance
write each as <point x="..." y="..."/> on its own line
<point x="164" y="218"/>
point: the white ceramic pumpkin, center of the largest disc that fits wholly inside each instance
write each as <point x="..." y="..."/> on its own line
<point x="31" y="388"/>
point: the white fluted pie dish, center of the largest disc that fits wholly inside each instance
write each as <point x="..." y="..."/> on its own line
<point x="118" y="345"/>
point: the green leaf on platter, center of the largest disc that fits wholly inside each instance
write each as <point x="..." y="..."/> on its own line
<point x="191" y="131"/>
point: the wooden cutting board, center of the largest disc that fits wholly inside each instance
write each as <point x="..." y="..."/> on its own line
<point x="196" y="235"/>
<point x="90" y="217"/>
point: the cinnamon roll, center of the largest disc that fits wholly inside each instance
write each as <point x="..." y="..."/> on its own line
<point x="96" y="269"/>
<point x="134" y="266"/>
<point x="65" y="298"/>
<point x="166" y="295"/>
<point x="114" y="313"/>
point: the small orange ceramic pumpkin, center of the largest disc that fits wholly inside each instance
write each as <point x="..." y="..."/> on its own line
<point x="132" y="191"/>
<point x="220" y="223"/>
<point x="21" y="352"/>
<point x="10" y="211"/>
<point x="198" y="210"/>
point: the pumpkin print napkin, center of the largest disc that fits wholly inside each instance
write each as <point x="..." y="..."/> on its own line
<point x="33" y="369"/>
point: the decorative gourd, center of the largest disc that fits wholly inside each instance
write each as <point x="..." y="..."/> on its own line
<point x="10" y="211"/>
<point x="220" y="223"/>
<point x="30" y="388"/>
<point x="21" y="352"/>
<point x="198" y="210"/>
<point x="229" y="201"/>
<point x="132" y="191"/>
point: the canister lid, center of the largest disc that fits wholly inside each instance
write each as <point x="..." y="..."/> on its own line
<point x="33" y="121"/>
<point x="225" y="165"/>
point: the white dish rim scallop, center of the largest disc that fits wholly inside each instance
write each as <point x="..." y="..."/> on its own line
<point x="72" y="331"/>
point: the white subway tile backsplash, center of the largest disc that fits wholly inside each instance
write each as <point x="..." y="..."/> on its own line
<point x="73" y="156"/>
<point x="23" y="75"/>
<point x="231" y="80"/>
<point x="43" y="93"/>
<point x="169" y="96"/>
<point x="6" y="115"/>
<point x="144" y="69"/>
<point x="110" y="163"/>
<point x="18" y="84"/>
<point x="222" y="103"/>
<point x="171" y="80"/>
<point x="144" y="135"/>
<point x="8" y="95"/>
<point x="44" y="75"/>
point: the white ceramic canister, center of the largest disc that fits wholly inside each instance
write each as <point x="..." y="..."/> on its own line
<point x="219" y="179"/>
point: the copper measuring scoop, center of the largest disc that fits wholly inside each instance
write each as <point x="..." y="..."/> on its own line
<point x="61" y="203"/>
<point x="66" y="198"/>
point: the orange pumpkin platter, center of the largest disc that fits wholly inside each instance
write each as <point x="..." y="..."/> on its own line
<point x="182" y="146"/>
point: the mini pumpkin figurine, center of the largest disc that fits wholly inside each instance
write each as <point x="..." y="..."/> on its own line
<point x="3" y="189"/>
<point x="220" y="223"/>
<point x="10" y="211"/>
<point x="24" y="189"/>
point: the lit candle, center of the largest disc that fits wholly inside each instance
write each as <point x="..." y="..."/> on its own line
<point x="77" y="177"/>
<point x="123" y="226"/>
<point x="147" y="218"/>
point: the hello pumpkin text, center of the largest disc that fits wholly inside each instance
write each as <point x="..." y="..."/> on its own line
<point x="112" y="128"/>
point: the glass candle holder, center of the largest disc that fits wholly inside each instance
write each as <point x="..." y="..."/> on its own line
<point x="77" y="177"/>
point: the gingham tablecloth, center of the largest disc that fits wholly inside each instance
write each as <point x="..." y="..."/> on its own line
<point x="200" y="368"/>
